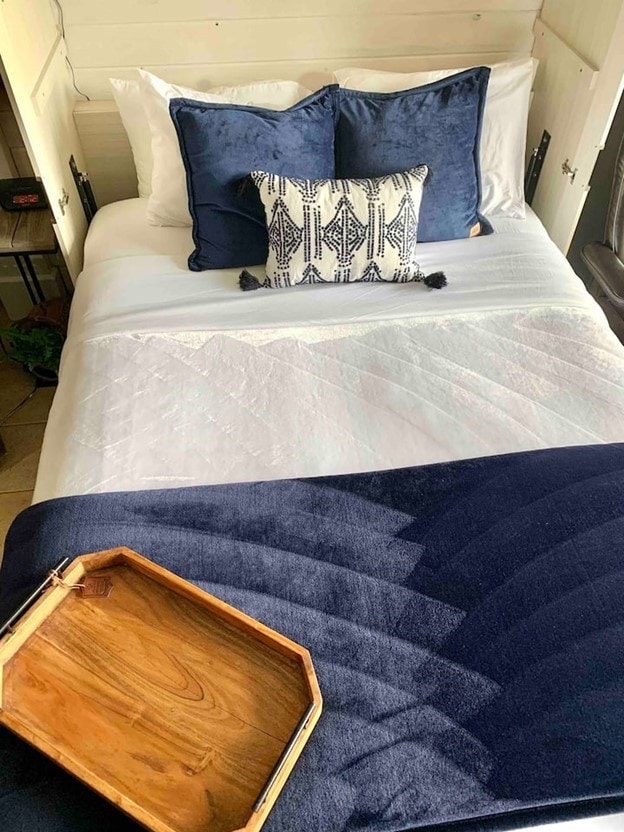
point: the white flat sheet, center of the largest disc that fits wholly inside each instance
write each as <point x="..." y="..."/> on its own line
<point x="171" y="378"/>
<point x="174" y="378"/>
<point x="121" y="230"/>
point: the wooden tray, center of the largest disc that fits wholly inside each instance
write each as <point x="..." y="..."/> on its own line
<point x="182" y="711"/>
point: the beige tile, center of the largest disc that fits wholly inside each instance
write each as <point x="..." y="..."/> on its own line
<point x="10" y="507"/>
<point x="18" y="467"/>
<point x="14" y="385"/>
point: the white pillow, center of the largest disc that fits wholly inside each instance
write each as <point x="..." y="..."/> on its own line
<point x="503" y="137"/>
<point x="128" y="97"/>
<point x="168" y="201"/>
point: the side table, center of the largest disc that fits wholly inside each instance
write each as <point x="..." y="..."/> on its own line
<point x="23" y="233"/>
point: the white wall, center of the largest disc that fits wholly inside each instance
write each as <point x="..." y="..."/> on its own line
<point x="580" y="46"/>
<point x="210" y="42"/>
<point x="585" y="25"/>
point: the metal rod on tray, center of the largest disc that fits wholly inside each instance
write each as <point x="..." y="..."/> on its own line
<point x="8" y="624"/>
<point x="284" y="756"/>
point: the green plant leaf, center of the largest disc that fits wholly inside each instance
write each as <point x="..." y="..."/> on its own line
<point x="39" y="346"/>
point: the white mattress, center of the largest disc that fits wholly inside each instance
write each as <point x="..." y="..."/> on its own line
<point x="173" y="378"/>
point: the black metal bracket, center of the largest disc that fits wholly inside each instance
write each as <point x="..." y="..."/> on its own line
<point x="535" y="167"/>
<point x="85" y="191"/>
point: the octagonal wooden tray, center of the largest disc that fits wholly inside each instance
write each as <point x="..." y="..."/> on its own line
<point x="181" y="710"/>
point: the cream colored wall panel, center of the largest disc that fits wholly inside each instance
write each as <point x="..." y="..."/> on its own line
<point x="585" y="25"/>
<point x="57" y="139"/>
<point x="108" y="156"/>
<point x="296" y="39"/>
<point x="562" y="77"/>
<point x="575" y="102"/>
<point x="43" y="98"/>
<point x="34" y="31"/>
<point x="159" y="11"/>
<point x="312" y="74"/>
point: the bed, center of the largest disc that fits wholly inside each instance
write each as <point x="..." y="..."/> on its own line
<point x="513" y="355"/>
<point x="257" y="442"/>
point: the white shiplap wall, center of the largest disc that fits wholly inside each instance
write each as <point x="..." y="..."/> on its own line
<point x="586" y="26"/>
<point x="580" y="46"/>
<point x="210" y="42"/>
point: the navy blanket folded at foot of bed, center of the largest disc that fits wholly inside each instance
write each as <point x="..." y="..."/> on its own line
<point x="466" y="622"/>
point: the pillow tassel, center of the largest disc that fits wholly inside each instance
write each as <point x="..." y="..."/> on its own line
<point x="435" y="280"/>
<point x="243" y="184"/>
<point x="248" y="281"/>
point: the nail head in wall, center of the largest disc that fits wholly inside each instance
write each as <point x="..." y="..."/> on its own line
<point x="477" y="16"/>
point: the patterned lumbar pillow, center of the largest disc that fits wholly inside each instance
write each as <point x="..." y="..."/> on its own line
<point x="341" y="230"/>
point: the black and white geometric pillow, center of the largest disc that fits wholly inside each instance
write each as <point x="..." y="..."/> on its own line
<point x="341" y="230"/>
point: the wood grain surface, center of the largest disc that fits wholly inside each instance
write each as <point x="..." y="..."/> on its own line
<point x="34" y="231"/>
<point x="8" y="224"/>
<point x="171" y="710"/>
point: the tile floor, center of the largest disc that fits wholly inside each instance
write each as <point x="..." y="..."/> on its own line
<point x="22" y="434"/>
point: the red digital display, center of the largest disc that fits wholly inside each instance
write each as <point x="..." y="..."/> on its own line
<point x="25" y="199"/>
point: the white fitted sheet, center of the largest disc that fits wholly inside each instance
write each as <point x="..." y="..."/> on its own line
<point x="174" y="378"/>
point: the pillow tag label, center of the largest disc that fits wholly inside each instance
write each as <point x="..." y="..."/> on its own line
<point x="475" y="230"/>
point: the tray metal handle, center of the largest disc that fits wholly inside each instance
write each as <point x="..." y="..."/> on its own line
<point x="7" y="626"/>
<point x="284" y="756"/>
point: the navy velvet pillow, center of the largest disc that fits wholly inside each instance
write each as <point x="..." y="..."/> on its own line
<point x="222" y="143"/>
<point x="438" y="125"/>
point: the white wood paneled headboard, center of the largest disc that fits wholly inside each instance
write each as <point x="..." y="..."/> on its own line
<point x="202" y="43"/>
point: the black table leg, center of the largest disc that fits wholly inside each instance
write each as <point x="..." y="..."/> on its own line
<point x="33" y="277"/>
<point x="25" y="278"/>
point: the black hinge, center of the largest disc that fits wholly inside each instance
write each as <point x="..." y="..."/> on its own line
<point x="535" y="167"/>
<point x="85" y="191"/>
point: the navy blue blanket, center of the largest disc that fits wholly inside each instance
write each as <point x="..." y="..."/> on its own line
<point x="465" y="620"/>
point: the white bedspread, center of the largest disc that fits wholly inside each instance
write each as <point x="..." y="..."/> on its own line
<point x="174" y="378"/>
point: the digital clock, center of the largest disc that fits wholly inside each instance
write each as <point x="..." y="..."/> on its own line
<point x="26" y="199"/>
<point x="22" y="194"/>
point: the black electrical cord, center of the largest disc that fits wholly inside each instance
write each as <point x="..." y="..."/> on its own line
<point x="67" y="61"/>
<point x="24" y="400"/>
<point x="13" y="410"/>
